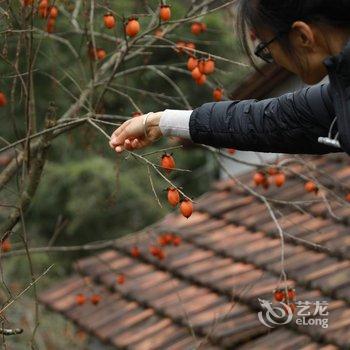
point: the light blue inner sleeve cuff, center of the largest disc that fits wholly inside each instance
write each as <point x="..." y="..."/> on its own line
<point x="174" y="122"/>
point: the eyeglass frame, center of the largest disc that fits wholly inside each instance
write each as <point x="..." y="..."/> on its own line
<point x="264" y="44"/>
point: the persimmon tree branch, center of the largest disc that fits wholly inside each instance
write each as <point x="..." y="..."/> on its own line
<point x="32" y="185"/>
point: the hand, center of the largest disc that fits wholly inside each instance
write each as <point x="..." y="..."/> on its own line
<point x="130" y="135"/>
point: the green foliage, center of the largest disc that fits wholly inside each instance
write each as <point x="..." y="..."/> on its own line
<point x="97" y="204"/>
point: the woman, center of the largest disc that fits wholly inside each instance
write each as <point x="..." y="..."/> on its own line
<point x="309" y="38"/>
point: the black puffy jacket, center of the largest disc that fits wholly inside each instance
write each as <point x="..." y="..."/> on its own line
<point x="291" y="123"/>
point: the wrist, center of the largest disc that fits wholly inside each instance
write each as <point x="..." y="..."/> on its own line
<point x="152" y="125"/>
<point x="154" y="119"/>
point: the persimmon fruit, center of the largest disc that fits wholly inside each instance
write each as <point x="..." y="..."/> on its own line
<point x="209" y="66"/>
<point x="135" y="252"/>
<point x="121" y="278"/>
<point x="165" y="12"/>
<point x="3" y="99"/>
<point x="109" y="20"/>
<point x="167" y="162"/>
<point x="272" y="171"/>
<point x="133" y="27"/>
<point x="95" y="299"/>
<point x="186" y="208"/>
<point x="217" y="94"/>
<point x="53" y="12"/>
<point x="80" y="299"/>
<point x="259" y="178"/>
<point x="279" y="295"/>
<point x="43" y="8"/>
<point x="50" y="26"/>
<point x="201" y="80"/>
<point x="173" y="196"/>
<point x="310" y="187"/>
<point x="177" y="241"/>
<point x="196" y="74"/>
<point x="192" y="63"/>
<point x="6" y="246"/>
<point x="280" y="179"/>
<point x="101" y="54"/>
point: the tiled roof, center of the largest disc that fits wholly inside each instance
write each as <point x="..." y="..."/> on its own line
<point x="205" y="292"/>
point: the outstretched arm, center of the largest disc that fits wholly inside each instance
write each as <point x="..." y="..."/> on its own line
<point x="290" y="123"/>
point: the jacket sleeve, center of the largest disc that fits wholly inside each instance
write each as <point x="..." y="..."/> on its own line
<point x="290" y="123"/>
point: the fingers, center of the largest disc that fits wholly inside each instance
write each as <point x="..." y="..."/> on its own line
<point x="119" y="135"/>
<point x="122" y="147"/>
<point x="132" y="144"/>
<point x="129" y="145"/>
<point x="135" y="143"/>
<point x="118" y="138"/>
<point x="128" y="136"/>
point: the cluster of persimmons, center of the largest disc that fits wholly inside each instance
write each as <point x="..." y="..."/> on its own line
<point x="155" y="250"/>
<point x="273" y="175"/>
<point x="286" y="295"/>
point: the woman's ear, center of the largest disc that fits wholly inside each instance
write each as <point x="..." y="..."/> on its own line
<point x="303" y="35"/>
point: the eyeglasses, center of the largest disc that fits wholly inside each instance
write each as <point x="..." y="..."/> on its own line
<point x="262" y="50"/>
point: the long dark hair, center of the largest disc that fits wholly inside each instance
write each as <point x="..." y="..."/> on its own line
<point x="279" y="15"/>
